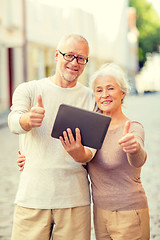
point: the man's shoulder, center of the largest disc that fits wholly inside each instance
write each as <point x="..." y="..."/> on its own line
<point x="26" y="84"/>
<point x="84" y="87"/>
<point x="31" y="83"/>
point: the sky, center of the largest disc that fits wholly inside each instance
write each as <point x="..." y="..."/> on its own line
<point x="91" y="6"/>
<point x="156" y="5"/>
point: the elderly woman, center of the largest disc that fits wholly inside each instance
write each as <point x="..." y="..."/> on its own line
<point x="119" y="201"/>
<point x="120" y="204"/>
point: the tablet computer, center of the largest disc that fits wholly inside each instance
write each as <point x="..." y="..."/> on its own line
<point x="93" y="126"/>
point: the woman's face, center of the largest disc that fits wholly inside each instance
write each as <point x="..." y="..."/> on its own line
<point x="108" y="94"/>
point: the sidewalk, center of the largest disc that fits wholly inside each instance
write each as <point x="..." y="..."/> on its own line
<point x="9" y="184"/>
<point x="139" y="108"/>
<point x="4" y="119"/>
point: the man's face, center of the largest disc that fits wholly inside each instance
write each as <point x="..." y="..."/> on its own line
<point x="70" y="71"/>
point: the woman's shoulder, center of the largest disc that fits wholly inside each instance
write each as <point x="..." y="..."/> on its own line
<point x="136" y="124"/>
<point x="137" y="128"/>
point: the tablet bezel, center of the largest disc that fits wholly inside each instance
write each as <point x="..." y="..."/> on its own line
<point x="93" y="125"/>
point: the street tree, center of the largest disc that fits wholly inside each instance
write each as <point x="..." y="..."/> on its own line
<point x="148" y="24"/>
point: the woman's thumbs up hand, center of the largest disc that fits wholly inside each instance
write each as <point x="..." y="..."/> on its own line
<point x="128" y="141"/>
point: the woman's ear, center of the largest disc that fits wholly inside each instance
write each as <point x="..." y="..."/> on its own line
<point x="123" y="95"/>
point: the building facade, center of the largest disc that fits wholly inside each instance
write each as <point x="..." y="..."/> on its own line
<point x="11" y="49"/>
<point x="30" y="31"/>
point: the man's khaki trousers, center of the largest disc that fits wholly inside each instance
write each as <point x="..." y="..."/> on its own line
<point x="37" y="224"/>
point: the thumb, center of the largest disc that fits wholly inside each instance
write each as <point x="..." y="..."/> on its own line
<point x="126" y="127"/>
<point x="39" y="100"/>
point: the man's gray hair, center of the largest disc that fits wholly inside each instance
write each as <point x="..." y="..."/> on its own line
<point x="73" y="36"/>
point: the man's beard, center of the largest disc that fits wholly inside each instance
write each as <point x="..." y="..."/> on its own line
<point x="68" y="77"/>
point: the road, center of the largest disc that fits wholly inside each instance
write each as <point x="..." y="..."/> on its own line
<point x="145" y="109"/>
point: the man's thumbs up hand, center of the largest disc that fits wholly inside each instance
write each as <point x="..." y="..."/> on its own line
<point x="128" y="141"/>
<point x="37" y="113"/>
<point x="39" y="101"/>
<point x="34" y="117"/>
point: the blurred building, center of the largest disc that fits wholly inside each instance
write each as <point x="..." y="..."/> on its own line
<point x="133" y="35"/>
<point x="30" y="31"/>
<point x="113" y="41"/>
<point x="148" y="79"/>
<point x="11" y="53"/>
<point x="59" y="21"/>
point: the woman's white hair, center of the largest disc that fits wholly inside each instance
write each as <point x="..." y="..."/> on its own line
<point x="113" y="70"/>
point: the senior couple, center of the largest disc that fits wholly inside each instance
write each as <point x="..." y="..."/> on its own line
<point x="53" y="195"/>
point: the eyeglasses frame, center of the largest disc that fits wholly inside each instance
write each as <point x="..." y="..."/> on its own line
<point x="63" y="54"/>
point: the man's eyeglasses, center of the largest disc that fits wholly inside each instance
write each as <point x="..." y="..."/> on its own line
<point x="70" y="57"/>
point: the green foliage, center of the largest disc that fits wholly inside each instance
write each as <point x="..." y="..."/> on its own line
<point x="148" y="24"/>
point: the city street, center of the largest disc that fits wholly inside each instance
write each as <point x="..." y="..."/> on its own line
<point x="145" y="109"/>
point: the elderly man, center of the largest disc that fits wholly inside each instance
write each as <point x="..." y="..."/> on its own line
<point x="53" y="192"/>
